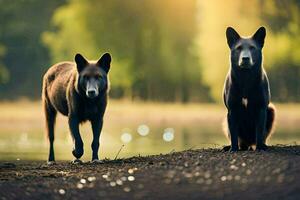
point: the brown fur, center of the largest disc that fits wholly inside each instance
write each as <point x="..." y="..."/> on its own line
<point x="65" y="91"/>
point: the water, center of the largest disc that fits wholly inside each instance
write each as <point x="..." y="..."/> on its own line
<point x="144" y="131"/>
<point x="33" y="145"/>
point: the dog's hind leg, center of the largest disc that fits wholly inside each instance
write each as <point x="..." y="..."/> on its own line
<point x="226" y="148"/>
<point x="50" y="116"/>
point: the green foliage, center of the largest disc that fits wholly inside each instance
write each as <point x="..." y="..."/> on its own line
<point x="25" y="58"/>
<point x="283" y="18"/>
<point x="4" y="75"/>
<point x="169" y="50"/>
<point x="152" y="44"/>
<point x="281" y="50"/>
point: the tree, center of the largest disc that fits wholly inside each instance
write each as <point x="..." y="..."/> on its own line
<point x="4" y="75"/>
<point x="24" y="58"/>
<point x="283" y="19"/>
<point x="152" y="43"/>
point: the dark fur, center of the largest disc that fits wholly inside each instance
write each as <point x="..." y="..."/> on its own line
<point x="252" y="124"/>
<point x="64" y="92"/>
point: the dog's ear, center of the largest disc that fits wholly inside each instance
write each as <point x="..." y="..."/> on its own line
<point x="81" y="62"/>
<point x="259" y="36"/>
<point x="232" y="36"/>
<point x="104" y="62"/>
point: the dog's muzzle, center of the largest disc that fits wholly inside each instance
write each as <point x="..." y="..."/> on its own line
<point x="92" y="89"/>
<point x="245" y="59"/>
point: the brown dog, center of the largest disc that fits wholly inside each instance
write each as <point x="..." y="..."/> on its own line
<point x="79" y="91"/>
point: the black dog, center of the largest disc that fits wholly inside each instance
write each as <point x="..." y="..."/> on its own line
<point x="77" y="90"/>
<point x="250" y="116"/>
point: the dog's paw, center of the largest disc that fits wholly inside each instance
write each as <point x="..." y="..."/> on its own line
<point x="233" y="150"/>
<point x="262" y="147"/>
<point x="97" y="161"/>
<point x="77" y="153"/>
<point x="51" y="163"/>
<point x="226" y="148"/>
<point x="77" y="162"/>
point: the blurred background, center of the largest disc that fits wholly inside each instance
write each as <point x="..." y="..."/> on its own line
<point x="170" y="59"/>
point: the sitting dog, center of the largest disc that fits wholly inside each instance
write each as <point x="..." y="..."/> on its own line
<point x="246" y="93"/>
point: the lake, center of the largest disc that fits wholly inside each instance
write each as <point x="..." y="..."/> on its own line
<point x="133" y="128"/>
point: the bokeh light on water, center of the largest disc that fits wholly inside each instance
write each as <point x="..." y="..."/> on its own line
<point x="143" y="129"/>
<point x="126" y="137"/>
<point x="168" y="135"/>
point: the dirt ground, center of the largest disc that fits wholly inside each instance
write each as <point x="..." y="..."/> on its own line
<point x="192" y="174"/>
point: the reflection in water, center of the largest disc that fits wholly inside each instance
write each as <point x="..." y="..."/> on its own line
<point x="23" y="140"/>
<point x="185" y="137"/>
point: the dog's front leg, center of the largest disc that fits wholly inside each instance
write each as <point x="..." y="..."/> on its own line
<point x="78" y="143"/>
<point x="233" y="121"/>
<point x="260" y="128"/>
<point x="97" y="127"/>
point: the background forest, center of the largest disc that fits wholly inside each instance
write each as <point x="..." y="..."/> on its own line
<point x="169" y="50"/>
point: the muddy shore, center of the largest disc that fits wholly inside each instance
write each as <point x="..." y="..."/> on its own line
<point x="192" y="174"/>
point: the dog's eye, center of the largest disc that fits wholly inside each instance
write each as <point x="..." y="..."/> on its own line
<point x="252" y="48"/>
<point x="239" y="48"/>
<point x="98" y="76"/>
<point x="85" y="77"/>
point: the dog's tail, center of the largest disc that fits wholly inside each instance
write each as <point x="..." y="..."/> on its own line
<point x="225" y="128"/>
<point x="270" y="123"/>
